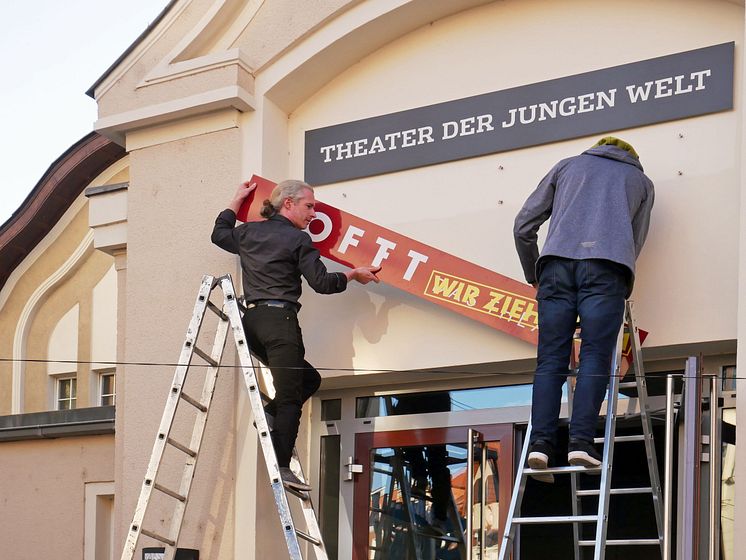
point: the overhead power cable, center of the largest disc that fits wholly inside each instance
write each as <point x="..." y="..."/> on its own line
<point x="679" y="375"/>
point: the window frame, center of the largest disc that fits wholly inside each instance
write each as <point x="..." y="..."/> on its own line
<point x="73" y="398"/>
<point x="100" y="377"/>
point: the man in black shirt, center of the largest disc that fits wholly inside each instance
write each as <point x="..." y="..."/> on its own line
<point x="274" y="254"/>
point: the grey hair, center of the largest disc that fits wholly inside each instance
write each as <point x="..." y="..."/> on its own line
<point x="291" y="188"/>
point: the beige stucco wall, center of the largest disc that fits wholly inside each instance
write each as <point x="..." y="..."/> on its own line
<point x="29" y="299"/>
<point x="175" y="191"/>
<point x="199" y="28"/>
<point x="77" y="289"/>
<point x="17" y="295"/>
<point x="46" y="519"/>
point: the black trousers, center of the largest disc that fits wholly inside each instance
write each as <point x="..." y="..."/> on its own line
<point x="274" y="335"/>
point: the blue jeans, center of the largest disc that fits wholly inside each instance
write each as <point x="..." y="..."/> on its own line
<point x="594" y="290"/>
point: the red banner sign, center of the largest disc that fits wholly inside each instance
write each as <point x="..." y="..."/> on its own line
<point x="458" y="285"/>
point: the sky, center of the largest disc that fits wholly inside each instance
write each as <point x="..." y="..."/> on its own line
<point x="51" y="53"/>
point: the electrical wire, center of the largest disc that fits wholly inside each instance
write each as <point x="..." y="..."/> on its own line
<point x="354" y="370"/>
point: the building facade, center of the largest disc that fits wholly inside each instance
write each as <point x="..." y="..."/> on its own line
<point x="433" y="120"/>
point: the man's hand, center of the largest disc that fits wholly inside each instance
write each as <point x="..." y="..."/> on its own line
<point x="364" y="274"/>
<point x="243" y="191"/>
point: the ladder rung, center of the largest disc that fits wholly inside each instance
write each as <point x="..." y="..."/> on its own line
<point x="158" y="537"/>
<point x="194" y="402"/>
<point x="628" y="385"/>
<point x="622" y="542"/>
<point x="556" y="519"/>
<point x="182" y="448"/>
<point x="307" y="537"/>
<point x="561" y="470"/>
<point x="169" y="492"/>
<point x="215" y="309"/>
<point x="617" y="491"/>
<point x="205" y="356"/>
<point x="622" y="439"/>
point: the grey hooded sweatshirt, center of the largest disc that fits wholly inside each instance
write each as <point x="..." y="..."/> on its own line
<point x="599" y="203"/>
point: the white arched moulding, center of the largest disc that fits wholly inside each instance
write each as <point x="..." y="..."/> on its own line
<point x="29" y="312"/>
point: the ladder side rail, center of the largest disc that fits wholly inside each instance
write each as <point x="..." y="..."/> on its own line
<point x="169" y="412"/>
<point x="576" y="502"/>
<point x="577" y="508"/>
<point x="647" y="426"/>
<point x="309" y="513"/>
<point x="195" y="444"/>
<point x="515" y="501"/>
<point x="608" y="454"/>
<point x="249" y="367"/>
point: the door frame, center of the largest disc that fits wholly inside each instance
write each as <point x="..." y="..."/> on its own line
<point x="364" y="442"/>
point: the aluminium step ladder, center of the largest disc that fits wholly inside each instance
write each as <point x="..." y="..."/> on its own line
<point x="605" y="491"/>
<point x="229" y="317"/>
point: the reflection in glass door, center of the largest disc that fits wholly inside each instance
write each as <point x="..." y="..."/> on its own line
<point x="484" y="498"/>
<point x="415" y="500"/>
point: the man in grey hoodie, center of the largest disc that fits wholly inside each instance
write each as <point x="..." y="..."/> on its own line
<point x="599" y="203"/>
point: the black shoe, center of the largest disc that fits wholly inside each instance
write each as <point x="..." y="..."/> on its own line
<point x="289" y="480"/>
<point x="581" y="453"/>
<point x="540" y="455"/>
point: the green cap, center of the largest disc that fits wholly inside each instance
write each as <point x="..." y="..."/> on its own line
<point x="613" y="141"/>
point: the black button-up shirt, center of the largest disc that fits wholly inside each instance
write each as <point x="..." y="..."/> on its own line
<point x="274" y="254"/>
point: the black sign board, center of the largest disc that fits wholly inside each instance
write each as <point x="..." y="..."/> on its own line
<point x="640" y="93"/>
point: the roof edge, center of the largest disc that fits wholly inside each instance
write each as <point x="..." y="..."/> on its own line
<point x="91" y="91"/>
<point x="50" y="198"/>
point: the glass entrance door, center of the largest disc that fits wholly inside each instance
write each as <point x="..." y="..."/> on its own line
<point x="423" y="495"/>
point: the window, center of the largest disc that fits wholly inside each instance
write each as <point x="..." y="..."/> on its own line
<point x="67" y="392"/>
<point x="107" y="388"/>
<point x="445" y="401"/>
<point x="331" y="409"/>
<point x="729" y="378"/>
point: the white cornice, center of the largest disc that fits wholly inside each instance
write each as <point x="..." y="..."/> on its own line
<point x="115" y="126"/>
<point x="166" y="72"/>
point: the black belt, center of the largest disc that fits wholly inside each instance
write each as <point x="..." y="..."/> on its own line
<point x="274" y="303"/>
